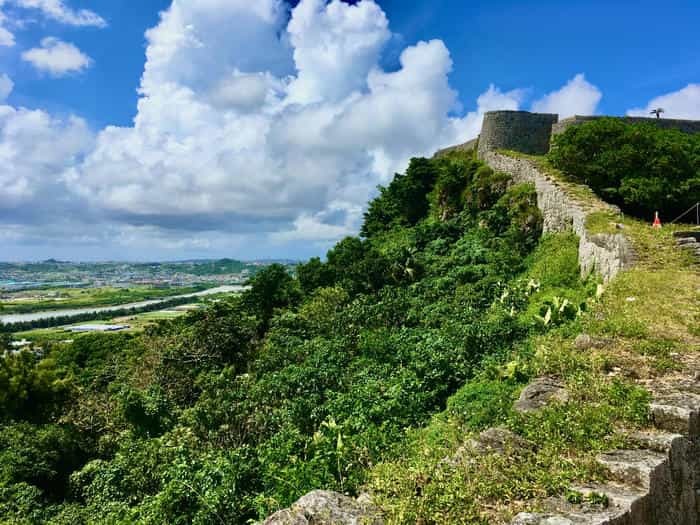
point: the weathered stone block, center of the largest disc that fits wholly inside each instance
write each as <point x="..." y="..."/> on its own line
<point x="324" y="507"/>
<point x="540" y="393"/>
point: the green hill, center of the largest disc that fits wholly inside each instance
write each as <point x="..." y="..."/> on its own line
<point x="369" y="370"/>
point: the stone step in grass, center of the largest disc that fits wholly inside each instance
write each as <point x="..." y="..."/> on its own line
<point x="631" y="467"/>
<point x="600" y="517"/>
<point x="639" y="477"/>
<point x="616" y="498"/>
<point x="655" y="440"/>
<point x="695" y="235"/>
<point x="594" y="504"/>
<point x="677" y="412"/>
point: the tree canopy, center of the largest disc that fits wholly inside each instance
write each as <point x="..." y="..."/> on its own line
<point x="639" y="167"/>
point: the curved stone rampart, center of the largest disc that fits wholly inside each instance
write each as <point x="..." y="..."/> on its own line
<point x="516" y="130"/>
<point x="605" y="253"/>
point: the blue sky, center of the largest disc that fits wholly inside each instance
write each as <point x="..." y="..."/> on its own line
<point x="235" y="151"/>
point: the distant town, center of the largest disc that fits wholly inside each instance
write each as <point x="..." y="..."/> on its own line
<point x="42" y="301"/>
<point x="61" y="274"/>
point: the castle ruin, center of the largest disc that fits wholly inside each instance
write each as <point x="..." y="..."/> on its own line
<point x="531" y="133"/>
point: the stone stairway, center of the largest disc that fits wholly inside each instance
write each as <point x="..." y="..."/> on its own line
<point x="654" y="482"/>
<point x="689" y="241"/>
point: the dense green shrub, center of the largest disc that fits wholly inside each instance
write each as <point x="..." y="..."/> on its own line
<point x="404" y="202"/>
<point x="640" y="167"/>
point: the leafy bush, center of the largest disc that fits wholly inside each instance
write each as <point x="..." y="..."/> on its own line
<point x="483" y="403"/>
<point x="404" y="202"/>
<point x="639" y="167"/>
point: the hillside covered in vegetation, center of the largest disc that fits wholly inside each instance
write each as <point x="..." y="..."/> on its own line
<point x="298" y="383"/>
<point x="364" y="371"/>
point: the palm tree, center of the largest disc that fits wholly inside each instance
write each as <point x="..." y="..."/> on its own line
<point x="657" y="112"/>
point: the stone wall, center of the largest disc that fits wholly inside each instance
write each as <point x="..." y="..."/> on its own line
<point x="687" y="126"/>
<point x="516" y="130"/>
<point x="467" y="146"/>
<point x="606" y="254"/>
<point x="674" y="496"/>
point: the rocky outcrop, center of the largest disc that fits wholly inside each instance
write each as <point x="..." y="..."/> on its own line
<point x="498" y="440"/>
<point x="540" y="393"/>
<point x="655" y="483"/>
<point x="586" y="342"/>
<point x="324" y="507"/>
<point x="690" y="242"/>
<point x="606" y="254"/>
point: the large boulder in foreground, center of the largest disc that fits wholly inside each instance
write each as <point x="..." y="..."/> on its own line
<point x="324" y="507"/>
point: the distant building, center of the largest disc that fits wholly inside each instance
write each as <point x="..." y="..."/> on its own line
<point x="98" y="328"/>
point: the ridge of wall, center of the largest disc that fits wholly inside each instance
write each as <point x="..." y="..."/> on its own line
<point x="606" y="254"/>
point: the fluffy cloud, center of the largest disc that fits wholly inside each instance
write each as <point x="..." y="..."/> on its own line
<point x="289" y="137"/>
<point x="335" y="48"/>
<point x="684" y="104"/>
<point x="7" y="39"/>
<point x="35" y="149"/>
<point x="200" y="43"/>
<point x="59" y="11"/>
<point x="53" y="9"/>
<point x="577" y="97"/>
<point x="6" y="86"/>
<point x="57" y="57"/>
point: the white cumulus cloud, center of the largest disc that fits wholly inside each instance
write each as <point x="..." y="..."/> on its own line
<point x="35" y="149"/>
<point x="262" y="122"/>
<point x="53" y="9"/>
<point x="577" y="97"/>
<point x="7" y="38"/>
<point x="683" y="104"/>
<point x="57" y="57"/>
<point x="59" y="11"/>
<point x="335" y="48"/>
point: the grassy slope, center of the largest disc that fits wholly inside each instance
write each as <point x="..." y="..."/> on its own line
<point x="647" y="322"/>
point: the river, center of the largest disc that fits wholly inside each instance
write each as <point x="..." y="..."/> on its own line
<point x="36" y="316"/>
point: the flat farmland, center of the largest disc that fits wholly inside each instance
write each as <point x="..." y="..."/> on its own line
<point x="50" y="299"/>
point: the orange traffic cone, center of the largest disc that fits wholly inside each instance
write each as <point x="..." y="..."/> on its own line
<point x="657" y="221"/>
